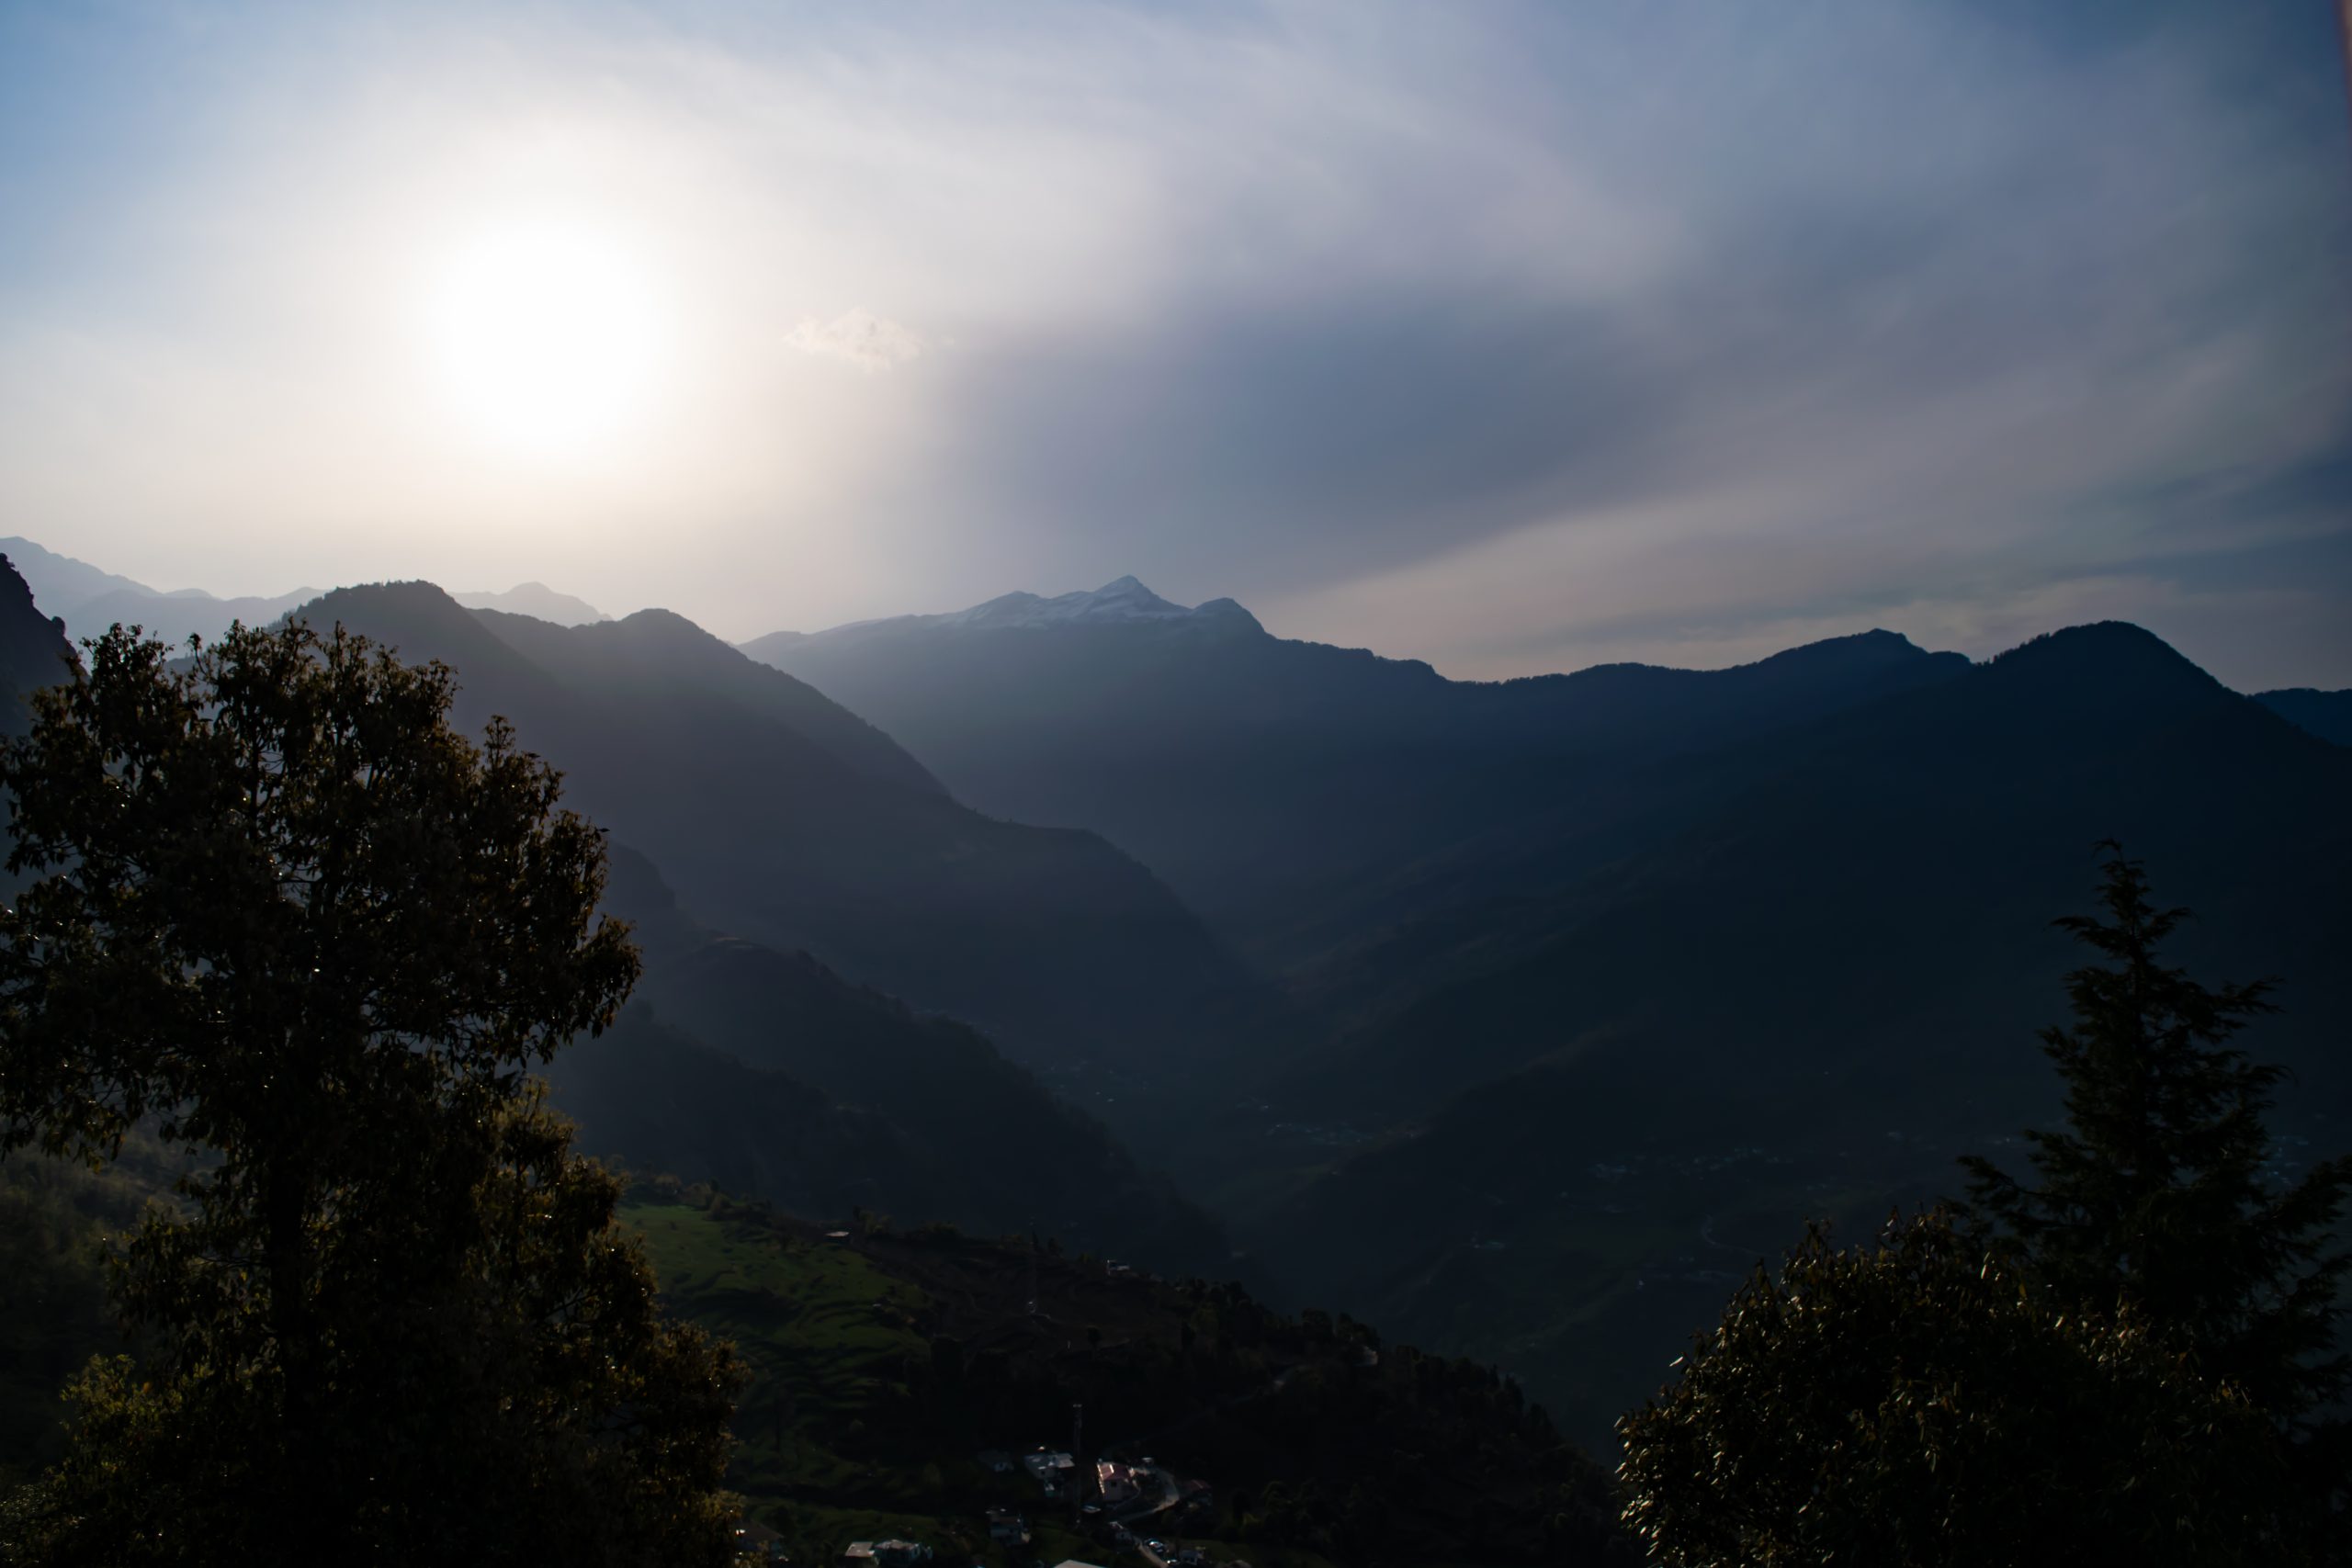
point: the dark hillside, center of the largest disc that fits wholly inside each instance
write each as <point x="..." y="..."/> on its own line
<point x="34" y="651"/>
<point x="56" y="1221"/>
<point x="2327" y="715"/>
<point x="884" y="1361"/>
<point x="766" y="1072"/>
<point x="783" y="819"/>
<point x="654" y="1098"/>
<point x="1762" y="864"/>
<point x="656" y="656"/>
<point x="1807" y="997"/>
<point x="1267" y="778"/>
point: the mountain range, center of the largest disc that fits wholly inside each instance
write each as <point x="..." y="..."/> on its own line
<point x="1815" y="978"/>
<point x="1605" y="982"/>
<point x="1517" y="1017"/>
<point x="1292" y="791"/>
<point x="89" y="601"/>
<point x="782" y="817"/>
<point x="756" y="1067"/>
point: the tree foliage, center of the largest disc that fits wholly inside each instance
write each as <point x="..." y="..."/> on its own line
<point x="290" y="916"/>
<point x="2159" y="1193"/>
<point x="2130" y="1361"/>
<point x="1917" y="1403"/>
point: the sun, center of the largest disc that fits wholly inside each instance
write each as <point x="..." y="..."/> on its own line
<point x="546" y="338"/>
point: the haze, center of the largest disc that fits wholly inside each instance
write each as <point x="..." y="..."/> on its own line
<point x="1515" y="338"/>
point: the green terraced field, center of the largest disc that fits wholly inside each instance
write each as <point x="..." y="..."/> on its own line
<point x="879" y="1365"/>
<point x="824" y="1336"/>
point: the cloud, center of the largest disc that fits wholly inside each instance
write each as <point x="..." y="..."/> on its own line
<point x="1505" y="336"/>
<point x="1879" y="308"/>
<point x="857" y="337"/>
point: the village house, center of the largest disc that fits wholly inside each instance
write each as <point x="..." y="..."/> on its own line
<point x="1119" y="1484"/>
<point x="758" y="1546"/>
<point x="884" y="1554"/>
<point x="1006" y="1527"/>
<point x="1053" y="1472"/>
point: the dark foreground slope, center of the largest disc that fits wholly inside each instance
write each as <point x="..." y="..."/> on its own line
<point x="769" y="1075"/>
<point x="57" y="1219"/>
<point x="884" y="1362"/>
<point x="34" y="651"/>
<point x="1817" y="979"/>
<point x="782" y="817"/>
<point x="1263" y="776"/>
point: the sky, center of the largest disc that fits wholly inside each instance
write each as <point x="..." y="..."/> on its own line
<point x="1513" y="337"/>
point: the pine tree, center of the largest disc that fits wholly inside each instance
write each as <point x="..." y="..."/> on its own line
<point x="2158" y="1195"/>
<point x="292" y="920"/>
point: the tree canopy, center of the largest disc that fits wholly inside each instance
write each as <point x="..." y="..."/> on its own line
<point x="2162" y="1191"/>
<point x="288" y="915"/>
<point x="1916" y="1403"/>
<point x="2130" y="1361"/>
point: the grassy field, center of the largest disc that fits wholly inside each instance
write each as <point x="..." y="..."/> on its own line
<point x="834" y="1335"/>
<point x="826" y="1338"/>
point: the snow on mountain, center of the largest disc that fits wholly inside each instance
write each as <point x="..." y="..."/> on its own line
<point x="1125" y="600"/>
<point x="1122" y="601"/>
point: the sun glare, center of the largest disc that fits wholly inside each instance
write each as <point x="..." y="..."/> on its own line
<point x="546" y="338"/>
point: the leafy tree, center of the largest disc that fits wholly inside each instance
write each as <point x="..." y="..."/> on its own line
<point x="295" y="919"/>
<point x="2157" y="1194"/>
<point x="1915" y="1404"/>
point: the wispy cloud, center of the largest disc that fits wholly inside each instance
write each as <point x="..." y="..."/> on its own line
<point x="1505" y="336"/>
<point x="859" y="337"/>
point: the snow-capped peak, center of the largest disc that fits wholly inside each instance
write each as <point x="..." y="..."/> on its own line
<point x="1122" y="600"/>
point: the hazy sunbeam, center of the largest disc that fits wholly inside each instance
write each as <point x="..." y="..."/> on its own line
<point x="547" y="338"/>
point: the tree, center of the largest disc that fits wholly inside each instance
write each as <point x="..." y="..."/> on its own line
<point x="2157" y="1196"/>
<point x="292" y="917"/>
<point x="1917" y="1403"/>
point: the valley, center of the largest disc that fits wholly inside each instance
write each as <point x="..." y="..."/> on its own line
<point x="1520" y="1020"/>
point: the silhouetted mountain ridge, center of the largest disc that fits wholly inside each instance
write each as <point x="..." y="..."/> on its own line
<point x="2327" y="715"/>
<point x="1263" y="776"/>
<point x="786" y="820"/>
<point x="1810" y="971"/>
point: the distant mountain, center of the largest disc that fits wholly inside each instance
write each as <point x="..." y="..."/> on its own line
<point x="1124" y="602"/>
<point x="763" y="1070"/>
<point x="2327" y="715"/>
<point x="1999" y="782"/>
<point x="537" y="601"/>
<point x="1808" y="973"/>
<point x="1262" y="775"/>
<point x="781" y="816"/>
<point x="175" y="618"/>
<point x="89" y="600"/>
<point x="61" y="582"/>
